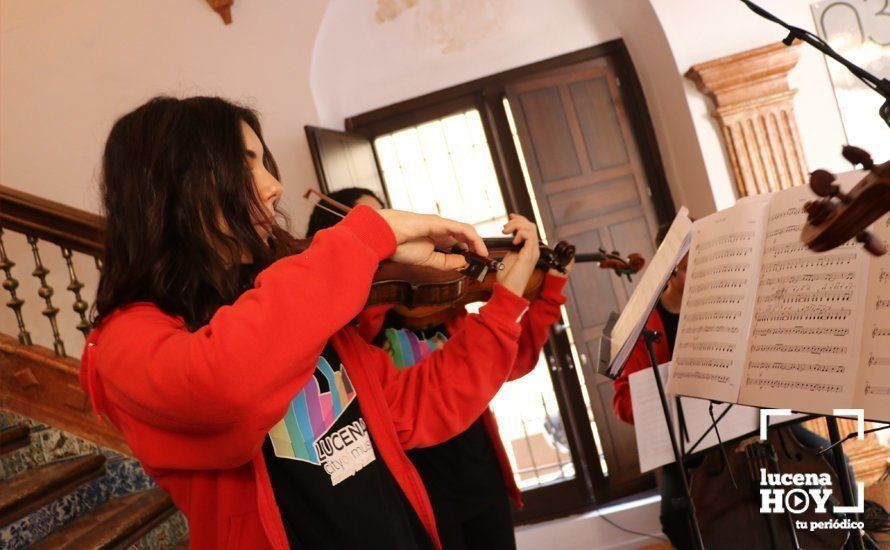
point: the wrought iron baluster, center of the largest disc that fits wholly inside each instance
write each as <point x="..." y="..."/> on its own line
<point x="555" y="433"/>
<point x="46" y="292"/>
<point x="531" y="453"/>
<point x="80" y="305"/>
<point x="11" y="284"/>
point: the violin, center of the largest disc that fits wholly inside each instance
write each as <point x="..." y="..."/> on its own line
<point x="838" y="217"/>
<point x="425" y="296"/>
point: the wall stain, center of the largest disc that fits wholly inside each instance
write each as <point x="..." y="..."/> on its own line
<point x="451" y="24"/>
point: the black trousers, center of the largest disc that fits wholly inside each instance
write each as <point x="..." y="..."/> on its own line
<point x="486" y="528"/>
<point x="674" y="517"/>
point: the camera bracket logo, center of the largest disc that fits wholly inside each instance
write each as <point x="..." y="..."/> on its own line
<point x="797" y="493"/>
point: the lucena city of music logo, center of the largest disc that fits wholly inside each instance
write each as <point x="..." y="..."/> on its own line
<point x="800" y="492"/>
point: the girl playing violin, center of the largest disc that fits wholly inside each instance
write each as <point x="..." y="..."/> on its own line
<point x="228" y="364"/>
<point x="469" y="478"/>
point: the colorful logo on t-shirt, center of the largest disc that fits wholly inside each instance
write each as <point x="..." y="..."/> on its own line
<point x="407" y="349"/>
<point x="303" y="433"/>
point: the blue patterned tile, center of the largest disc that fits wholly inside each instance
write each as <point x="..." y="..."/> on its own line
<point x="166" y="535"/>
<point x="50" y="444"/>
<point x="14" y="462"/>
<point x="125" y="476"/>
<point x="43" y="521"/>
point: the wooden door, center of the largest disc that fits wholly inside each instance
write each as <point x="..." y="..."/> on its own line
<point x="591" y="190"/>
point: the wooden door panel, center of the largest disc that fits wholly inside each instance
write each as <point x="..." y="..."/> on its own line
<point x="622" y="441"/>
<point x="591" y="313"/>
<point x="591" y="201"/>
<point x="587" y="176"/>
<point x="632" y="236"/>
<point x="551" y="135"/>
<point x="599" y="123"/>
<point x="588" y="179"/>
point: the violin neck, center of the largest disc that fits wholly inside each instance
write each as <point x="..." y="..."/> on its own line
<point x="506" y="243"/>
<point x="557" y="258"/>
<point x="590" y="257"/>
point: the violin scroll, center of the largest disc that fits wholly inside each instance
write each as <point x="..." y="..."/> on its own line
<point x="837" y="217"/>
<point x="634" y="262"/>
<point x="561" y="256"/>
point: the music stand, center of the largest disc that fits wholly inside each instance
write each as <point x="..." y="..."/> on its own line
<point x="621" y="334"/>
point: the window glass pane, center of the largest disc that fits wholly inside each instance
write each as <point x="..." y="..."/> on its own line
<point x="444" y="167"/>
<point x="532" y="430"/>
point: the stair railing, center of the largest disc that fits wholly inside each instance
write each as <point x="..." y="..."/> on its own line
<point x="71" y="230"/>
<point x="36" y="381"/>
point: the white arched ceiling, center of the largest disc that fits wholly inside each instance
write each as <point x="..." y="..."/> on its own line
<point x="369" y="54"/>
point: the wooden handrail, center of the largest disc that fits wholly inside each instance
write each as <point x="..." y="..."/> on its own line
<point x="52" y="221"/>
<point x="36" y="383"/>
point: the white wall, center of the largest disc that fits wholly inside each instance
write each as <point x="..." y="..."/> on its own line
<point x="663" y="88"/>
<point x="69" y="69"/>
<point x="367" y="58"/>
<point x="700" y="31"/>
<point x="373" y="54"/>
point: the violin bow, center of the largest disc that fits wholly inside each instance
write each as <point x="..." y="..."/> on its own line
<point x="322" y="198"/>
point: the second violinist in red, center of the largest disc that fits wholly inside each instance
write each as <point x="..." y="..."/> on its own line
<point x="469" y="477"/>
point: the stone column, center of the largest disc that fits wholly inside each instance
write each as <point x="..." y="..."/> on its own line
<point x="753" y="106"/>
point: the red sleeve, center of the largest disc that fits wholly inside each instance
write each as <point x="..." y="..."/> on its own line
<point x="440" y="397"/>
<point x="638" y="360"/>
<point x="621" y="402"/>
<point x="236" y="374"/>
<point x="536" y="325"/>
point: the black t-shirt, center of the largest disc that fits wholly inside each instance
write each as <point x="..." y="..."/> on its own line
<point x="461" y="475"/>
<point x="332" y="489"/>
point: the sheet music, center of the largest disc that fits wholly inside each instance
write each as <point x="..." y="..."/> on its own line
<point x="635" y="314"/>
<point x="805" y="339"/>
<point x="718" y="302"/>
<point x="650" y="427"/>
<point x="653" y="441"/>
<point x="873" y="387"/>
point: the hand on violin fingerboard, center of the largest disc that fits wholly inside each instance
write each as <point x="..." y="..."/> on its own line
<point x="421" y="238"/>
<point x="519" y="266"/>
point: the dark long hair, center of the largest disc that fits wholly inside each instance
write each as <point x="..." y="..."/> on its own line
<point x="180" y="202"/>
<point x="322" y="218"/>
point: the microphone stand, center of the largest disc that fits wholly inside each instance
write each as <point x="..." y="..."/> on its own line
<point x="880" y="85"/>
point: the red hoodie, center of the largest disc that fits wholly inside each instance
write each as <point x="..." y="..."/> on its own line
<point x="535" y="324"/>
<point x="638" y="360"/>
<point x="195" y="407"/>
